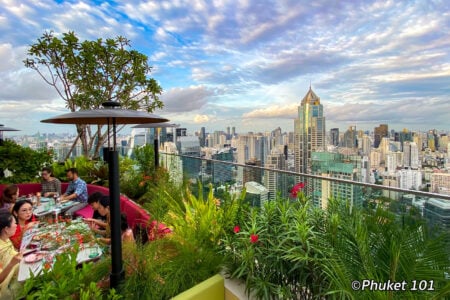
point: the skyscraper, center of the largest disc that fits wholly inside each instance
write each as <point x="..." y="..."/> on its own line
<point x="309" y="129"/>
<point x="379" y="133"/>
<point x="334" y="134"/>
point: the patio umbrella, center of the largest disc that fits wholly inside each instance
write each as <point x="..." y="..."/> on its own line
<point x="4" y="128"/>
<point x="155" y="141"/>
<point x="111" y="115"/>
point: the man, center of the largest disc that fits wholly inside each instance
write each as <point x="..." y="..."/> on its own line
<point x="77" y="191"/>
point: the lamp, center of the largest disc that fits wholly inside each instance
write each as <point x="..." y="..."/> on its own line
<point x="111" y="114"/>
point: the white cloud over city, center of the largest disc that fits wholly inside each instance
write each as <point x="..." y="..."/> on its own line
<point x="249" y="63"/>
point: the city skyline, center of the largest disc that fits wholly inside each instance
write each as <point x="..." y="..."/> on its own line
<point x="249" y="64"/>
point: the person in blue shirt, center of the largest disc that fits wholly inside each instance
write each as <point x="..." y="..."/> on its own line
<point x="76" y="191"/>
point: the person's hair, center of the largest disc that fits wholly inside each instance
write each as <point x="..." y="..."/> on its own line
<point x="5" y="219"/>
<point x="18" y="205"/>
<point x="94" y="197"/>
<point x="73" y="170"/>
<point x="8" y="192"/>
<point x="104" y="201"/>
<point x="123" y="222"/>
<point x="48" y="170"/>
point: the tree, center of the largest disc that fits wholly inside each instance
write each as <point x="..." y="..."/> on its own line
<point x="86" y="74"/>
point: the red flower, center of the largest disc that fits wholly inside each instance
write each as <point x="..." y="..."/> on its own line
<point x="236" y="229"/>
<point x="253" y="238"/>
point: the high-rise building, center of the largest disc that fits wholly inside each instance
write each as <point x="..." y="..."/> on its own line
<point x="202" y="137"/>
<point x="410" y="179"/>
<point x="334" y="136"/>
<point x="379" y="133"/>
<point x="253" y="174"/>
<point x="275" y="181"/>
<point x="350" y="140"/>
<point x="440" y="183"/>
<point x="335" y="165"/>
<point x="366" y="145"/>
<point x="190" y="146"/>
<point x="410" y="155"/>
<point x="221" y="173"/>
<point x="309" y="131"/>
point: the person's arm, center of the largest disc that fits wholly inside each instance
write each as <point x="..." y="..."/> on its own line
<point x="96" y="221"/>
<point x="68" y="197"/>
<point x="14" y="261"/>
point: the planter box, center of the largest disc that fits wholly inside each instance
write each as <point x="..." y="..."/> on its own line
<point x="212" y="288"/>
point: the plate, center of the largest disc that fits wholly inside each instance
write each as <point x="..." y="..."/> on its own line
<point x="45" y="199"/>
<point x="34" y="257"/>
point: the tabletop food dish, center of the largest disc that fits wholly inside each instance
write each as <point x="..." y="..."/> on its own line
<point x="35" y="257"/>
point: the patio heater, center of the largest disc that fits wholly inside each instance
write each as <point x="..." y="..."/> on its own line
<point x="3" y="128"/>
<point x="111" y="114"/>
<point x="157" y="126"/>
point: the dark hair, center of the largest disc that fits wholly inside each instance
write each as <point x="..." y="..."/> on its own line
<point x="94" y="197"/>
<point x="18" y="205"/>
<point x="104" y="201"/>
<point x="123" y="222"/>
<point x="73" y="170"/>
<point x="48" y="170"/>
<point x="5" y="219"/>
<point x="8" y="192"/>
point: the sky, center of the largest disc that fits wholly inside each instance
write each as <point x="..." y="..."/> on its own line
<point x="248" y="63"/>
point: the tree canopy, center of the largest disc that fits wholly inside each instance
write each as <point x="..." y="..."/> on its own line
<point x="87" y="73"/>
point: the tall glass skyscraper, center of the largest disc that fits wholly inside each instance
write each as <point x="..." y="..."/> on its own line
<point x="309" y="131"/>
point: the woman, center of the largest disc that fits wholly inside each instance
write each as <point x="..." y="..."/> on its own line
<point x="9" y="197"/>
<point x="103" y="210"/>
<point x="9" y="257"/>
<point x="49" y="185"/>
<point x="23" y="213"/>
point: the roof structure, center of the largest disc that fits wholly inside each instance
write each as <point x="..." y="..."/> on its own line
<point x="310" y="98"/>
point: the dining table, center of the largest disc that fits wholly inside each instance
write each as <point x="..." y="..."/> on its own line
<point x="44" y="242"/>
<point x="47" y="207"/>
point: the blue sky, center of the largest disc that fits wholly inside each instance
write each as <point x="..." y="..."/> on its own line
<point x="248" y="63"/>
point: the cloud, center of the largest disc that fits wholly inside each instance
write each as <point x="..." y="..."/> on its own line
<point x="185" y="99"/>
<point x="274" y="111"/>
<point x="198" y="119"/>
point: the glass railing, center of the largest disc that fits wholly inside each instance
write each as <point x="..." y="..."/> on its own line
<point x="265" y="184"/>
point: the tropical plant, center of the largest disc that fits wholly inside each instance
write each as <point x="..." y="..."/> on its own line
<point x="271" y="250"/>
<point x="65" y="280"/>
<point x="87" y="73"/>
<point x="185" y="257"/>
<point x="23" y="170"/>
<point x="375" y="245"/>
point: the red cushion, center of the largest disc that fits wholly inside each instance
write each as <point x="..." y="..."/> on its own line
<point x="85" y="212"/>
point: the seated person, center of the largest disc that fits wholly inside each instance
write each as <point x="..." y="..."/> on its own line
<point x="23" y="214"/>
<point x="97" y="218"/>
<point x="103" y="210"/>
<point x="9" y="257"/>
<point x="49" y="184"/>
<point x="76" y="191"/>
<point x="9" y="197"/>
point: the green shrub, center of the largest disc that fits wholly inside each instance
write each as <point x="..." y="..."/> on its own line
<point x="23" y="162"/>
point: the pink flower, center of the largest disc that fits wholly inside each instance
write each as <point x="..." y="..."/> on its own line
<point x="236" y="229"/>
<point x="253" y="238"/>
